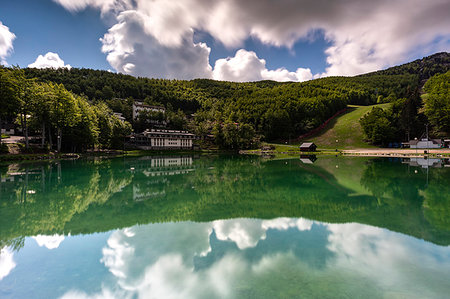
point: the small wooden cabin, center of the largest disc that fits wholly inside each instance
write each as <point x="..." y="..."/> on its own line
<point x="308" y="147"/>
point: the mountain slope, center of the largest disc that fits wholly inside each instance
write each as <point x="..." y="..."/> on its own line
<point x="346" y="129"/>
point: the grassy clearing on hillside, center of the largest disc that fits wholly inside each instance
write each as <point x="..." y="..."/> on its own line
<point x="346" y="129"/>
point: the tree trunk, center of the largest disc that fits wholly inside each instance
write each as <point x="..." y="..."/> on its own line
<point x="59" y="140"/>
<point x="50" y="141"/>
<point x="21" y="123"/>
<point x="0" y="131"/>
<point x="43" y="134"/>
<point x="26" y="132"/>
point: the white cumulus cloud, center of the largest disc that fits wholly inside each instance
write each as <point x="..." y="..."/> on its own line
<point x="132" y="50"/>
<point x="246" y="66"/>
<point x="49" y="60"/>
<point x="246" y="233"/>
<point x="6" y="43"/>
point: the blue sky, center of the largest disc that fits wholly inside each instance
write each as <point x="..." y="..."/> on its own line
<point x="43" y="26"/>
<point x="283" y="40"/>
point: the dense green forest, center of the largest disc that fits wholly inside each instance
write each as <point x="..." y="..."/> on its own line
<point x="62" y="118"/>
<point x="241" y="114"/>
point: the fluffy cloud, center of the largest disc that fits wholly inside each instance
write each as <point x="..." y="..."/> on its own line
<point x="365" y="35"/>
<point x="244" y="232"/>
<point x="246" y="66"/>
<point x="49" y="60"/>
<point x="247" y="233"/>
<point x="6" y="42"/>
<point x="51" y="242"/>
<point x="6" y="262"/>
<point x="131" y="50"/>
<point x="105" y="6"/>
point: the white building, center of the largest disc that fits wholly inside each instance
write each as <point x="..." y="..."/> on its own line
<point x="425" y="143"/>
<point x="164" y="139"/>
<point x="140" y="106"/>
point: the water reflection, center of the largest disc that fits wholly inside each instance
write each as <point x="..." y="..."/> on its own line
<point x="79" y="197"/>
<point x="6" y="261"/>
<point x="425" y="162"/>
<point x="322" y="261"/>
<point x="50" y="242"/>
<point x="308" y="159"/>
<point x="225" y="227"/>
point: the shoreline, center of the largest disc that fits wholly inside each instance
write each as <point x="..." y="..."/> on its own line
<point x="358" y="152"/>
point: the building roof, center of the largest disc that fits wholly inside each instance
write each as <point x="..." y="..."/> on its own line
<point x="166" y="132"/>
<point x="307" y="144"/>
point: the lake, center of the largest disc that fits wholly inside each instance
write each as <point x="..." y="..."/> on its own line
<point x="225" y="227"/>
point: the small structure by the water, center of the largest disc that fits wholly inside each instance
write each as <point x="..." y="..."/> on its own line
<point x="425" y="143"/>
<point x="308" y="147"/>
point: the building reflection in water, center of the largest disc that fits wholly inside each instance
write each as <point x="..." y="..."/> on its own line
<point x="427" y="162"/>
<point x="156" y="170"/>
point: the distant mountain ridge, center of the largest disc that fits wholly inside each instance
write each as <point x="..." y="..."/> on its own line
<point x="425" y="67"/>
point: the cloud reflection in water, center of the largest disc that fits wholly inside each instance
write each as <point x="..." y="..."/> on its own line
<point x="267" y="258"/>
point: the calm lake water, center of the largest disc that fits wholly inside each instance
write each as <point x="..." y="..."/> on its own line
<point x="225" y="227"/>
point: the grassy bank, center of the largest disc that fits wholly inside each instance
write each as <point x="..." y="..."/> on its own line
<point x="345" y="129"/>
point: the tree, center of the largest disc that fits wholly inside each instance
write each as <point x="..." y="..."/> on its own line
<point x="377" y="126"/>
<point x="176" y="120"/>
<point x="25" y="91"/>
<point x="112" y="130"/>
<point x="437" y="102"/>
<point x="105" y="125"/>
<point x="65" y="112"/>
<point x="120" y="129"/>
<point x="8" y="95"/>
<point x="84" y="133"/>
<point x="42" y="103"/>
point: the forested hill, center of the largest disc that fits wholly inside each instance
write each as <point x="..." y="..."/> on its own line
<point x="425" y="68"/>
<point x="271" y="110"/>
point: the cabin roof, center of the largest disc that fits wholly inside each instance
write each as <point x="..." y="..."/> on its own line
<point x="307" y="144"/>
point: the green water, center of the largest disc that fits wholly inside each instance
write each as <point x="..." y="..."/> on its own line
<point x="225" y="227"/>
